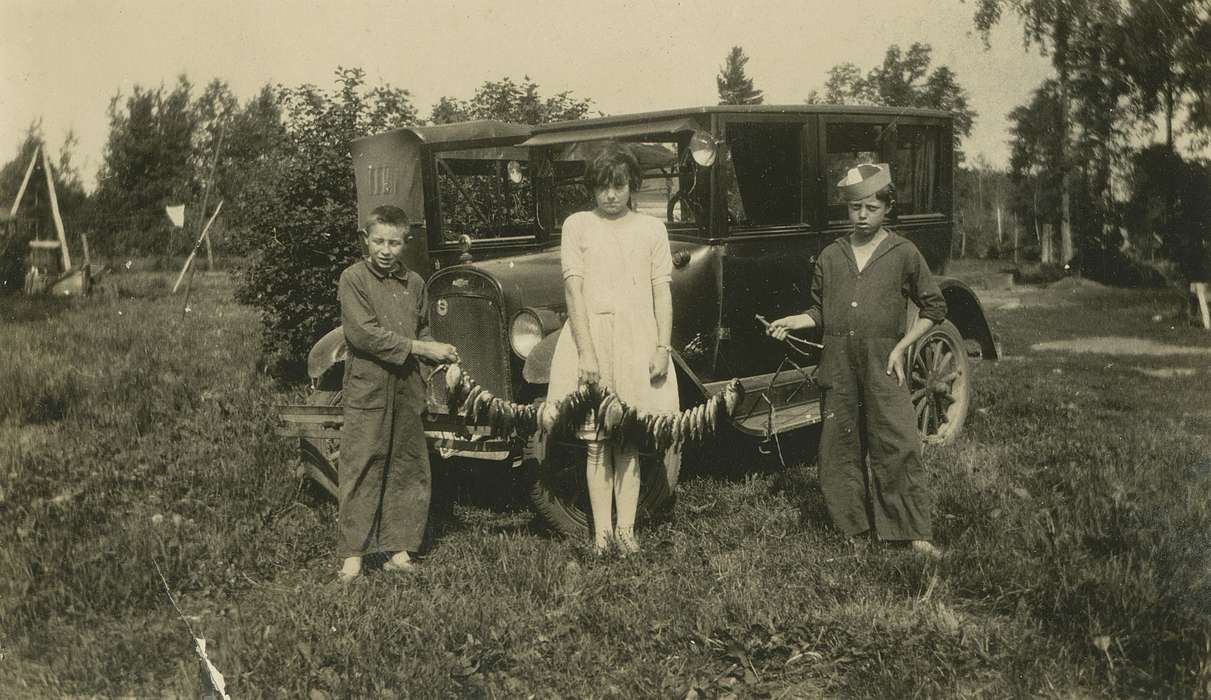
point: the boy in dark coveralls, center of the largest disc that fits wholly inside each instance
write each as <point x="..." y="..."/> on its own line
<point x="857" y="297"/>
<point x="384" y="464"/>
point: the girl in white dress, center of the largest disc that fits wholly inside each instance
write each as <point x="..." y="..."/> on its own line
<point x="617" y="270"/>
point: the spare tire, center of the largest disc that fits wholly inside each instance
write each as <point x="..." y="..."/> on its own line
<point x="555" y="469"/>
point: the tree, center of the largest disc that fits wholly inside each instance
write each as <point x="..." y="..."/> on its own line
<point x="1087" y="44"/>
<point x="735" y="87"/>
<point x="902" y="80"/>
<point x="148" y="162"/>
<point x="301" y="223"/>
<point x="1098" y="109"/>
<point x="1049" y="24"/>
<point x="1164" y="56"/>
<point x="241" y="146"/>
<point x="1036" y="163"/>
<point x="982" y="217"/>
<point x="508" y="101"/>
<point x="1171" y="199"/>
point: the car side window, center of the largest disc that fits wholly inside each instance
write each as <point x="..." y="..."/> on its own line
<point x="914" y="170"/>
<point x="762" y="168"/>
<point x="480" y="198"/>
<point x="849" y="145"/>
<point x="670" y="191"/>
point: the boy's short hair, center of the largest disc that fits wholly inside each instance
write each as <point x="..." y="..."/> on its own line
<point x="611" y="165"/>
<point x="388" y="215"/>
<point x="887" y="195"/>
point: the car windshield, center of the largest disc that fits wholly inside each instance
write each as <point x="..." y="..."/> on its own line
<point x="485" y="193"/>
<point x="672" y="190"/>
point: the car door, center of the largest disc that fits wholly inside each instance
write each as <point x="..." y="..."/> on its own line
<point x="769" y="190"/>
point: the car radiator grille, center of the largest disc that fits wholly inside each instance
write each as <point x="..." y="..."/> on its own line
<point x="473" y="324"/>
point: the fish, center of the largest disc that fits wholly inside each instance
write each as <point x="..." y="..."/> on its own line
<point x="614" y="413"/>
<point x="480" y="409"/>
<point x="469" y="404"/>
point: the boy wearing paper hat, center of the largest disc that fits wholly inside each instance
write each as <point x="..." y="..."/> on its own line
<point x="858" y="293"/>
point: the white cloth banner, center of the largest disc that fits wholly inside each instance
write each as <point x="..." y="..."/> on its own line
<point x="176" y="213"/>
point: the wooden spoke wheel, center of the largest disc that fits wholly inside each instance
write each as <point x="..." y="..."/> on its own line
<point x="319" y="457"/>
<point x="940" y="381"/>
<point x="560" y="496"/>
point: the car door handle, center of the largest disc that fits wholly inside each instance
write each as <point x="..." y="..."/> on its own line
<point x="680" y="259"/>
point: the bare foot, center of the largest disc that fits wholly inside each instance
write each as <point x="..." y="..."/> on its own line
<point x="926" y="548"/>
<point x="400" y="563"/>
<point x="626" y="540"/>
<point x="351" y="568"/>
<point x="601" y="543"/>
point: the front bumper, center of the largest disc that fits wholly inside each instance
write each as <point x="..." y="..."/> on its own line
<point x="447" y="435"/>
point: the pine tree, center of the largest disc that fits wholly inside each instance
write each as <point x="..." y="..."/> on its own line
<point x="736" y="88"/>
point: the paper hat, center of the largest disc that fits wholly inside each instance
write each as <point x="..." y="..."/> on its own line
<point x="864" y="180"/>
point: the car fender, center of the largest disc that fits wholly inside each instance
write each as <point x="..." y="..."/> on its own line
<point x="326" y="353"/>
<point x="964" y="310"/>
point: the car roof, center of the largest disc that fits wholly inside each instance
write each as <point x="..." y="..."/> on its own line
<point x="486" y="130"/>
<point x="741" y="109"/>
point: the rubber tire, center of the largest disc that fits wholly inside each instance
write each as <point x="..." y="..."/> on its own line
<point x="948" y="340"/>
<point x="555" y="475"/>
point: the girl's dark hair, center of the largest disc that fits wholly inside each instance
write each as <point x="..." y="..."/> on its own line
<point x="613" y="164"/>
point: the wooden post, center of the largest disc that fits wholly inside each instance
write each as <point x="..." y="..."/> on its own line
<point x="1202" y="291"/>
<point x="54" y="210"/>
<point x="25" y="181"/>
<point x="194" y="252"/>
<point x="214" y="164"/>
<point x="1015" y="240"/>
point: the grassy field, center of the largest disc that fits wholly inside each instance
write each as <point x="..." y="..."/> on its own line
<point x="1075" y="511"/>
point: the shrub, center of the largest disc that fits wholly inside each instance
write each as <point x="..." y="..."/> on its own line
<point x="302" y="215"/>
<point x="1171" y="197"/>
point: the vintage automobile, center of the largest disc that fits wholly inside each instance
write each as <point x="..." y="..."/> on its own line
<point x="748" y="196"/>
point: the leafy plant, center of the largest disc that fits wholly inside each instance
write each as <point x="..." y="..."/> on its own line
<point x="903" y="80"/>
<point x="302" y="221"/>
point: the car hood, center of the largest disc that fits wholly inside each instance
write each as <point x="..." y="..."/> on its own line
<point x="531" y="279"/>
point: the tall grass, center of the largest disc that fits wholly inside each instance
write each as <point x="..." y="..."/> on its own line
<point x="1076" y="512"/>
<point x="130" y="431"/>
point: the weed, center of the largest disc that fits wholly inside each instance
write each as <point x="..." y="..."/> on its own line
<point x="1075" y="511"/>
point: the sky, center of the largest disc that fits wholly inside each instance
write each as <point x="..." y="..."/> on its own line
<point x="63" y="61"/>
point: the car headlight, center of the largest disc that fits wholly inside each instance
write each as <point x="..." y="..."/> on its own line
<point x="525" y="332"/>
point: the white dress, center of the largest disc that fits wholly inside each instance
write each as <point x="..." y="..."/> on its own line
<point x="620" y="261"/>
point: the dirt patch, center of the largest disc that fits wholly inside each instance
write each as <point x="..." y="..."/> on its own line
<point x="1119" y="345"/>
<point x="1166" y="372"/>
<point x="1022" y="297"/>
<point x="1069" y="284"/>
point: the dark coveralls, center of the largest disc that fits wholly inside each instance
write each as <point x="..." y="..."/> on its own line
<point x="865" y="411"/>
<point x="384" y="461"/>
